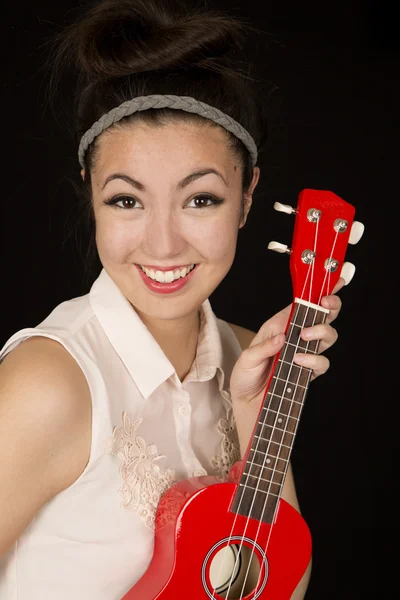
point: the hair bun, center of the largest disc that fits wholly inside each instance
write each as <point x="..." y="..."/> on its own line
<point x="116" y="38"/>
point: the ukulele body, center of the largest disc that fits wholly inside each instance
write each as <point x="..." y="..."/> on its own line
<point x="194" y="523"/>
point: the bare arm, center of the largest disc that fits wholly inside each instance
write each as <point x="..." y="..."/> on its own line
<point x="45" y="426"/>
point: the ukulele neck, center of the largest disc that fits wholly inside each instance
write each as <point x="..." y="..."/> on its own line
<point x="267" y="460"/>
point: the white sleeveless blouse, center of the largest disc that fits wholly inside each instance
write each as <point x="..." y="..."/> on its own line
<point x="94" y="540"/>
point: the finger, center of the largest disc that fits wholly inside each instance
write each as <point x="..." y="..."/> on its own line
<point x="340" y="283"/>
<point x="273" y="326"/>
<point x="323" y="332"/>
<point x="254" y="356"/>
<point x="334" y="304"/>
<point x="318" y="364"/>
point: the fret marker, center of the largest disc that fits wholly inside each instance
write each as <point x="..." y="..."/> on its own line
<point x="289" y="390"/>
<point x="279" y="420"/>
<point x="268" y="460"/>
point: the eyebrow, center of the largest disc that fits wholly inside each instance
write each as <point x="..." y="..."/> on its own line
<point x="182" y="184"/>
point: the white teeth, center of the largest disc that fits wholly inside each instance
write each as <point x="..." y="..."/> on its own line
<point x="167" y="276"/>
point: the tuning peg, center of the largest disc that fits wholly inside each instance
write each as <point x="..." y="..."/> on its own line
<point x="357" y="229"/>
<point x="347" y="272"/>
<point x="284" y="208"/>
<point x="277" y="247"/>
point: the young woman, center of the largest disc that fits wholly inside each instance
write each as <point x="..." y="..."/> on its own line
<point x="121" y="392"/>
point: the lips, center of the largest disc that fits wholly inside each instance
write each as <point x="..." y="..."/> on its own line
<point x="166" y="288"/>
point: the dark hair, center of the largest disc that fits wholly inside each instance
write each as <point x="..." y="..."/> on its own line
<point x="127" y="48"/>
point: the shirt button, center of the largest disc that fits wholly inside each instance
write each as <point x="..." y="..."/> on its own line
<point x="184" y="410"/>
<point x="199" y="473"/>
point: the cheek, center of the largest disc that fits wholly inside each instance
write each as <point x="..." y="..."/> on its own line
<point x="114" y="238"/>
<point x="217" y="239"/>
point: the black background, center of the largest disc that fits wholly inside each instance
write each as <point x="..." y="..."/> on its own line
<point x="333" y="125"/>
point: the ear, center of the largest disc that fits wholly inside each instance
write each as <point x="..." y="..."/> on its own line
<point x="248" y="196"/>
<point x="83" y="174"/>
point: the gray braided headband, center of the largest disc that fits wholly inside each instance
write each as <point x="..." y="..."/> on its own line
<point x="185" y="103"/>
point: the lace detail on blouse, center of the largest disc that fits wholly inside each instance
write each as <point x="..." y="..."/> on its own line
<point x="230" y="448"/>
<point x="143" y="481"/>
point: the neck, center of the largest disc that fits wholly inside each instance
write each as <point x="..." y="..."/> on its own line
<point x="177" y="338"/>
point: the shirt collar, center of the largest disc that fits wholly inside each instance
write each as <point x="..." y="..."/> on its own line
<point x="137" y="348"/>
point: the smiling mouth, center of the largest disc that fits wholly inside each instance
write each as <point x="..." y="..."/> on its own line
<point x="167" y="276"/>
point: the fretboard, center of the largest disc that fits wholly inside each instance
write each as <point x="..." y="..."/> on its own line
<point x="268" y="459"/>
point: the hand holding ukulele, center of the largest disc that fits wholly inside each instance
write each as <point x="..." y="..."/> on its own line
<point x="252" y="370"/>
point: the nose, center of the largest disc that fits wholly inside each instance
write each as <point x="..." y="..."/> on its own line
<point x="164" y="237"/>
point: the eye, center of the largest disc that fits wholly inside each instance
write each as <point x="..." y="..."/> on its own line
<point x="205" y="200"/>
<point x="127" y="201"/>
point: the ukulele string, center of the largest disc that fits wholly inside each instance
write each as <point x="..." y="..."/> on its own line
<point x="248" y="474"/>
<point x="274" y="470"/>
<point x="309" y="374"/>
<point x="311" y="270"/>
<point x="284" y="432"/>
<point x="289" y="416"/>
<point x="327" y="277"/>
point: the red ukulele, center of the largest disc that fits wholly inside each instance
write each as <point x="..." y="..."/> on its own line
<point x="239" y="539"/>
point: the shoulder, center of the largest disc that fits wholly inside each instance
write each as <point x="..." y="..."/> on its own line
<point x="40" y="358"/>
<point x="244" y="336"/>
<point x="45" y="431"/>
<point x="45" y="399"/>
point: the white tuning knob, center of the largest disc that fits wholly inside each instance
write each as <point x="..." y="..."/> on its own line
<point x="347" y="272"/>
<point x="357" y="229"/>
<point x="277" y="247"/>
<point x="284" y="208"/>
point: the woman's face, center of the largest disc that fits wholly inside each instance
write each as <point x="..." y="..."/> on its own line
<point x="178" y="201"/>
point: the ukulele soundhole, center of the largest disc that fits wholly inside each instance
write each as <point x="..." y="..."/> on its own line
<point x="235" y="568"/>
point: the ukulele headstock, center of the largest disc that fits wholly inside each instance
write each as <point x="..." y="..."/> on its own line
<point x="324" y="226"/>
